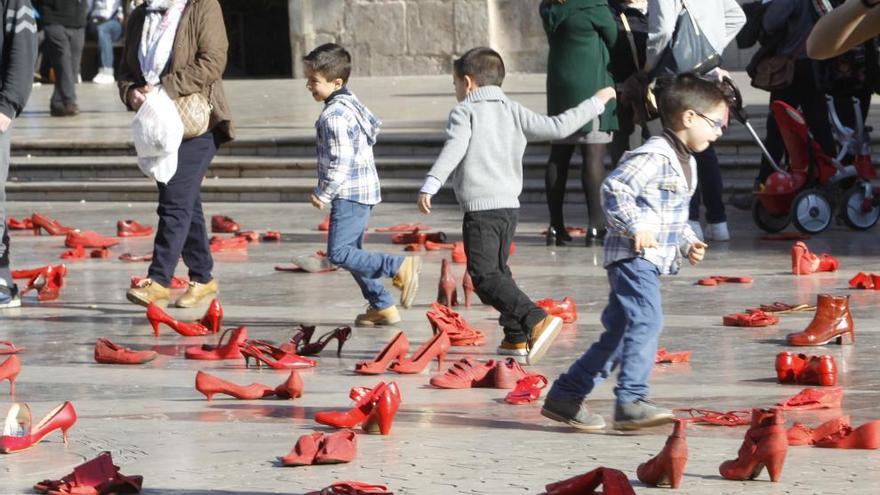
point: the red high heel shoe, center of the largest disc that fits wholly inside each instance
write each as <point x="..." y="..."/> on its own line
<point x="801" y="434"/>
<point x="436" y="347"/>
<point x="88" y="239"/>
<point x="866" y="436"/>
<point x="51" y="226"/>
<point x="667" y="467"/>
<point x="467" y="285"/>
<point x="304" y="451"/>
<point x="394" y="350"/>
<point x="365" y="400"/>
<point x="48" y="282"/>
<point x="302" y="337"/>
<point x="18" y="434"/>
<point x="274" y="357"/>
<point x="157" y="315"/>
<point x="9" y="370"/>
<point x="106" y="352"/>
<point x="446" y="290"/>
<point x="385" y="408"/>
<point x="213" y="317"/>
<point x="341" y="334"/>
<point x="613" y="482"/>
<point x="230" y="350"/>
<point x="803" y="262"/>
<point x="458" y="254"/>
<point x="292" y="388"/>
<point x="7" y="347"/>
<point x="221" y="224"/>
<point x="765" y="445"/>
<point x="130" y="228"/>
<point x="210" y="385"/>
<point x="565" y="309"/>
<point x="800" y="368"/>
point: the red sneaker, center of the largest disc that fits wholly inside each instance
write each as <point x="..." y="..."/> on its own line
<point x="466" y="373"/>
<point x="130" y="228"/>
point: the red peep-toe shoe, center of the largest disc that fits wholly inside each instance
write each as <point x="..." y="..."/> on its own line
<point x="210" y="385"/>
<point x="765" y="445"/>
<point x="341" y="334"/>
<point x="229" y="350"/>
<point x="274" y="357"/>
<point x="18" y="434"/>
<point x="9" y="370"/>
<point x="51" y="226"/>
<point x="667" y="467"/>
<point x="437" y="347"/>
<point x="394" y="350"/>
<point x="157" y="315"/>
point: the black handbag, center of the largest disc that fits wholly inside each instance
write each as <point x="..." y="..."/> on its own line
<point x="689" y="50"/>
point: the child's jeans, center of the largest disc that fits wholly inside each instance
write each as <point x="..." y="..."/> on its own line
<point x="487" y="237"/>
<point x="633" y="321"/>
<point x="345" y="240"/>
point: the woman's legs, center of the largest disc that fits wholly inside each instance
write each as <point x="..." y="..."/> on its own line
<point x="555" y="179"/>
<point x="592" y="175"/>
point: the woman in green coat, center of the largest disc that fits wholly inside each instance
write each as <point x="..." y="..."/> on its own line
<point x="580" y="33"/>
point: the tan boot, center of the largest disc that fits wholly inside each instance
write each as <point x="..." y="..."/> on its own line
<point x="148" y="292"/>
<point x="543" y="335"/>
<point x="196" y="292"/>
<point x="407" y="279"/>
<point x="374" y="317"/>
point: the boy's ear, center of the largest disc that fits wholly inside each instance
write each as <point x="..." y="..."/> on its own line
<point x="338" y="83"/>
<point x="687" y="118"/>
<point x="469" y="82"/>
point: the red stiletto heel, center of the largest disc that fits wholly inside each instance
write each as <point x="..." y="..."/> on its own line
<point x="9" y="370"/>
<point x="394" y="350"/>
<point x="341" y="334"/>
<point x="210" y="385"/>
<point x="213" y="317"/>
<point x="384" y="410"/>
<point x="18" y="434"/>
<point x="356" y="415"/>
<point x="274" y="357"/>
<point x="446" y="289"/>
<point x="765" y="445"/>
<point x="157" y="315"/>
<point x="467" y="285"/>
<point x="230" y="350"/>
<point x="667" y="467"/>
<point x="434" y="348"/>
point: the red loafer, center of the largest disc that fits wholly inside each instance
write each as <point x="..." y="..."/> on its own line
<point x="130" y="228"/>
<point x="106" y="352"/>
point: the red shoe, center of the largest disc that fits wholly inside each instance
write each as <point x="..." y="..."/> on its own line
<point x="437" y="246"/>
<point x="353" y="488"/>
<point x="230" y="350"/>
<point x="224" y="225"/>
<point x="458" y="254"/>
<point x="814" y="398"/>
<point x="754" y="319"/>
<point x="176" y="282"/>
<point x="717" y="418"/>
<point x="671" y="357"/>
<point x="51" y="226"/>
<point x="418" y="237"/>
<point x="789" y="366"/>
<point x="765" y="445"/>
<point x="210" y="385"/>
<point x="337" y="448"/>
<point x="272" y="235"/>
<point x="803" y="262"/>
<point x="827" y="263"/>
<point x="667" y="467"/>
<point x="565" y="309"/>
<point x="76" y="253"/>
<point x="866" y="436"/>
<point x="274" y="357"/>
<point x="395" y="350"/>
<point x="446" y="290"/>
<point x="800" y="434"/>
<point x="414" y="247"/>
<point x="436" y="347"/>
<point x="721" y="279"/>
<point x="88" y="239"/>
<point x="304" y="451"/>
<point x="832" y="321"/>
<point x="23" y="224"/>
<point x="467" y="373"/>
<point x="810" y="370"/>
<point x="107" y="352"/>
<point x="527" y="390"/>
<point x="102" y="253"/>
<point x="292" y="388"/>
<point x="457" y="328"/>
<point x="7" y="347"/>
<point x="48" y="282"/>
<point x="157" y="315"/>
<point x="861" y="281"/>
<point x="324" y="226"/>
<point x="9" y="370"/>
<point x="130" y="228"/>
<point x="363" y="407"/>
<point x="33" y="272"/>
<point x="467" y="285"/>
<point x="134" y="258"/>
<point x="875" y="278"/>
<point x="219" y="244"/>
<point x="341" y="334"/>
<point x="508" y="373"/>
<point x="385" y="408"/>
<point x="95" y="477"/>
<point x="213" y="317"/>
<point x="613" y="482"/>
<point x="403" y="227"/>
<point x="19" y="434"/>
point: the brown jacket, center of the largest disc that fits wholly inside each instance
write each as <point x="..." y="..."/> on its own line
<point x="197" y="62"/>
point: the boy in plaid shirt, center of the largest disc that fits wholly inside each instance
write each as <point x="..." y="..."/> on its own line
<point x="348" y="181"/>
<point x="646" y="202"/>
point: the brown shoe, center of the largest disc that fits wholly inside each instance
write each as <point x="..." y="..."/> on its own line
<point x="148" y="292"/>
<point x="196" y="292"/>
<point x="832" y="321"/>
<point x="543" y="335"/>
<point x="374" y="317"/>
<point x="407" y="279"/>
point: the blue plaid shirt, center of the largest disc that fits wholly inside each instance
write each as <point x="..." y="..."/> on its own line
<point x="346" y="133"/>
<point x="648" y="192"/>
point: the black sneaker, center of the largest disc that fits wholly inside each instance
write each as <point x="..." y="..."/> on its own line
<point x="574" y="413"/>
<point x="640" y="413"/>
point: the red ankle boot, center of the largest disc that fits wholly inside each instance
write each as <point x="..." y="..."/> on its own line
<point x="832" y="321"/>
<point x="447" y="294"/>
<point x="765" y="445"/>
<point x="667" y="467"/>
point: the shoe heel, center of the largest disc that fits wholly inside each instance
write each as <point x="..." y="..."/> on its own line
<point x="38" y="231"/>
<point x="64" y="435"/>
<point x="440" y="358"/>
<point x="11" y="386"/>
<point x="675" y="470"/>
<point x="846" y="338"/>
<point x="774" y="466"/>
<point x="155" y="325"/>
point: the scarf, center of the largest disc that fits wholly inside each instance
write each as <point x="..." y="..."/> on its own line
<point x="157" y="37"/>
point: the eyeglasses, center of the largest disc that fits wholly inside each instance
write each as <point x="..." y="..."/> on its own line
<point x="717" y="124"/>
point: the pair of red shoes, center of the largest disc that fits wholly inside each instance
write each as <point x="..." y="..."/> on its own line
<point x="417" y="236"/>
<point x="50" y="225"/>
<point x="15" y="224"/>
<point x="813" y="398"/>
<point x="460" y="332"/>
<point x="221" y="224"/>
<point x="864" y="280"/>
<point x="88" y="239"/>
<point x="803" y="262"/>
<point x="447" y="291"/>
<point x="95" y="477"/>
<point x="837" y="434"/>
<point x="209" y="323"/>
<point x="19" y="434"/>
<point x="467" y="373"/>
<point x="106" y="352"/>
<point x="318" y="448"/>
<point x="612" y="481"/>
<point x="393" y="356"/>
<point x="671" y="357"/>
<point x="209" y="385"/>
<point x="374" y="409"/>
<point x="302" y="344"/>
<point x="46" y="280"/>
<point x="9" y="370"/>
<point x="130" y="228"/>
<point x="804" y="369"/>
<point x="353" y="488"/>
<point x="755" y="318"/>
<point x="565" y="309"/>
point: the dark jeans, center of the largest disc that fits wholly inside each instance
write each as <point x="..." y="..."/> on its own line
<point x="64" y="50"/>
<point x="182" y="229"/>
<point x="709" y="188"/>
<point x="487" y="237"/>
<point x="106" y="33"/>
<point x="5" y="275"/>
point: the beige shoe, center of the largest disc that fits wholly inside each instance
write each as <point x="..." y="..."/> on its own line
<point x="374" y="317"/>
<point x="148" y="292"/>
<point x="512" y="348"/>
<point x="407" y="279"/>
<point x="543" y="335"/>
<point x="196" y="292"/>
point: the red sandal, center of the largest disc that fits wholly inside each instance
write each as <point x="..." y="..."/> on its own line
<point x="814" y="398"/>
<point x="527" y="390"/>
<point x="672" y="357"/>
<point x="756" y="319"/>
<point x="729" y="418"/>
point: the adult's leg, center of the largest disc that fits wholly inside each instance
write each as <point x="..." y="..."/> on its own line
<point x="197" y="154"/>
<point x="710" y="185"/>
<point x="57" y="46"/>
<point x="555" y="178"/>
<point x="108" y="32"/>
<point x="811" y="100"/>
<point x="77" y="40"/>
<point x="5" y="274"/>
<point x="592" y="175"/>
<point x="620" y="142"/>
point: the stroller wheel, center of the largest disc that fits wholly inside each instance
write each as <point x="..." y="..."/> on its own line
<point x="859" y="213"/>
<point x="811" y="211"/>
<point x="767" y="221"/>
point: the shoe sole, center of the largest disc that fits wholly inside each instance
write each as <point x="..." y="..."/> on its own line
<point x="562" y="419"/>
<point x="511" y="352"/>
<point x="15" y="303"/>
<point x="308" y="263"/>
<point x="144" y="302"/>
<point x="408" y="295"/>
<point x="195" y="303"/>
<point x="539" y="348"/>
<point x="660" y="419"/>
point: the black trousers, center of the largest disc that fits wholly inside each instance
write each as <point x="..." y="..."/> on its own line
<point x="709" y="188"/>
<point x="64" y="50"/>
<point x="182" y="230"/>
<point x="487" y="237"/>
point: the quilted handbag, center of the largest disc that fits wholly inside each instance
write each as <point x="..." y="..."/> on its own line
<point x="195" y="113"/>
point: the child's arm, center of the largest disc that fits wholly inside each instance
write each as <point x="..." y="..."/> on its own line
<point x="340" y="159"/>
<point x="620" y="190"/>
<point x="691" y="246"/>
<point x="538" y="127"/>
<point x="458" y="132"/>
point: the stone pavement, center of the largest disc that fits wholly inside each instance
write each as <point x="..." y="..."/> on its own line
<point x="443" y="441"/>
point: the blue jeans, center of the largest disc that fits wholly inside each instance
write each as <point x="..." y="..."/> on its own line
<point x="633" y="321"/>
<point x="345" y="248"/>
<point x="107" y="32"/>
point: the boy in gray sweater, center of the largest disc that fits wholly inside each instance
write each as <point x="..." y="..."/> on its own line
<point x="487" y="136"/>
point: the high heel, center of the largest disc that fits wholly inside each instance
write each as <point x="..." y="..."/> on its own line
<point x="341" y="334"/>
<point x="157" y="315"/>
<point x="803" y="262"/>
<point x="356" y="415"/>
<point x="394" y="350"/>
<point x="381" y="417"/>
<point x="765" y="445"/>
<point x="667" y="467"/>
<point x="434" y="348"/>
<point x="210" y="385"/>
<point x="51" y="226"/>
<point x="9" y="370"/>
<point x="274" y="357"/>
<point x="467" y="285"/>
<point x="213" y="317"/>
<point x="47" y="282"/>
<point x="446" y="290"/>
<point x="302" y="337"/>
<point x="292" y="388"/>
<point x="230" y="350"/>
<point x="18" y="434"/>
<point x="458" y="330"/>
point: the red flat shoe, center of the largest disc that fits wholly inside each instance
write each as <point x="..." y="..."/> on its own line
<point x="102" y="253"/>
<point x="213" y="317"/>
<point x="18" y="434"/>
<point x="9" y="370"/>
<point x="292" y="388"/>
<point x="827" y="263"/>
<point x="438" y="246"/>
<point x="801" y="434"/>
<point x="866" y="436"/>
<point x="457" y="328"/>
<point x="221" y="224"/>
<point x="467" y="285"/>
<point x="671" y="357"/>
<point x="363" y="406"/>
<point x="458" y="254"/>
<point x="51" y="226"/>
<point x="88" y="239"/>
<point x="219" y="244"/>
<point x="667" y="467"/>
<point x="272" y="236"/>
<point x="210" y="385"/>
<point x="717" y="418"/>
<point x="436" y="347"/>
<point x="98" y="476"/>
<point x="130" y="228"/>
<point x="527" y="390"/>
<point x="230" y="350"/>
<point x="394" y="351"/>
<point x="324" y="226"/>
<point x="76" y="253"/>
<point x="447" y="294"/>
<point x="353" y="488"/>
<point x="341" y="334"/>
<point x="803" y="262"/>
<point x="404" y="227"/>
<point x="467" y="373"/>
<point x="612" y="481"/>
<point x="337" y="448"/>
<point x="861" y="281"/>
<point x="755" y="319"/>
<point x="107" y="352"/>
<point x="135" y="258"/>
<point x="274" y="357"/>
<point x="7" y="347"/>
<point x="23" y="224"/>
<point x="304" y="451"/>
<point x="722" y="279"/>
<point x="565" y="309"/>
<point x="765" y="445"/>
<point x="157" y="315"/>
<point x="814" y="398"/>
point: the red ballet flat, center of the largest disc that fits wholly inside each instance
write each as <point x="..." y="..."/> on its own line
<point x="814" y="398"/>
<point x="337" y="448"/>
<point x="88" y="239"/>
<point x="527" y="390"/>
<point x="106" y="352"/>
<point x="219" y="244"/>
<point x="304" y="451"/>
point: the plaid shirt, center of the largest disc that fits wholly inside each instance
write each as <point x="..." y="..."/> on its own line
<point x="346" y="133"/>
<point x="648" y="192"/>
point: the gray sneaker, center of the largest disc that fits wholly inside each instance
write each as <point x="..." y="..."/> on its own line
<point x="641" y="413"/>
<point x="574" y="413"/>
<point x="9" y="297"/>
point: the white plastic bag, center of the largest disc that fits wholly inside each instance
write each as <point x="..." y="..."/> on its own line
<point x="157" y="131"/>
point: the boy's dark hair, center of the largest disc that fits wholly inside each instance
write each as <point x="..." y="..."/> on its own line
<point x="684" y="92"/>
<point x="331" y="61"/>
<point x="484" y="64"/>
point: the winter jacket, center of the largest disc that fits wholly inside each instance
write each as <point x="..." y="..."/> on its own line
<point x="68" y="13"/>
<point x="18" y="54"/>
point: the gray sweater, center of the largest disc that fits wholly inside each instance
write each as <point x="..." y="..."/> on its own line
<point x="487" y="136"/>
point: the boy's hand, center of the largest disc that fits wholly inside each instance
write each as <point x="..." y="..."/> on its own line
<point x="606" y="94"/>
<point x="697" y="252"/>
<point x="317" y="203"/>
<point x="643" y="240"/>
<point x="424" y="203"/>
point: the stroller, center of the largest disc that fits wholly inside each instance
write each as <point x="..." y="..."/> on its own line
<point x="815" y="184"/>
